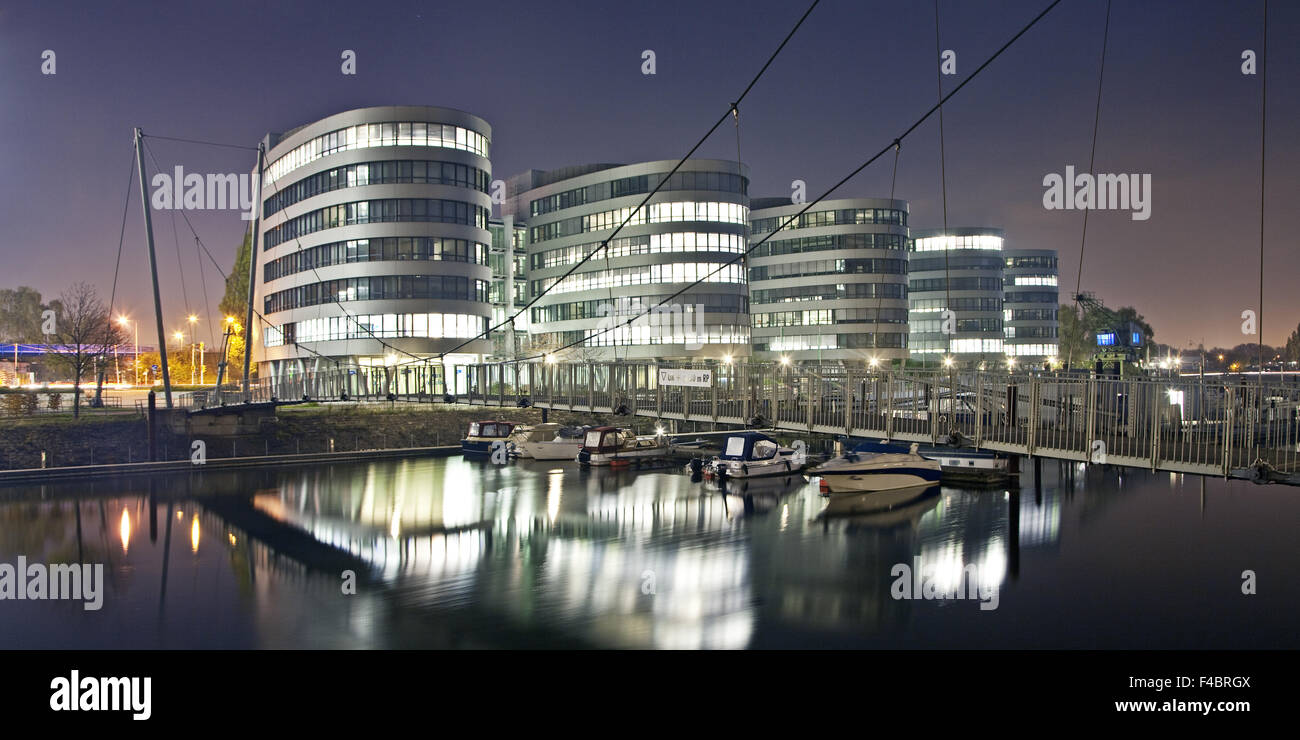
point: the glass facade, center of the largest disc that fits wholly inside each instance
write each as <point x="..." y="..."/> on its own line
<point x="848" y="258"/>
<point x="1031" y="299"/>
<point x="367" y="135"/>
<point x="417" y="172"/>
<point x="390" y="210"/>
<point x="433" y="254"/>
<point x="960" y="271"/>
<point x="663" y="247"/>
<point x="434" y="248"/>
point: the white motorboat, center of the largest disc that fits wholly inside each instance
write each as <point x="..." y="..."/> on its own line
<point x="884" y="471"/>
<point x="957" y="464"/>
<point x="548" y="442"/>
<point x="616" y="445"/>
<point x="754" y="455"/>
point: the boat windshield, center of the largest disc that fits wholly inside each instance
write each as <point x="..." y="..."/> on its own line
<point x="473" y="429"/>
<point x="764" y="449"/>
<point x="735" y="446"/>
<point x="592" y="439"/>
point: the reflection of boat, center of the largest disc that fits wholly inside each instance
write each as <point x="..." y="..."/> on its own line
<point x="877" y="471"/>
<point x="483" y="434"/>
<point x="547" y="442"/>
<point x="956" y="464"/>
<point x="610" y="445"/>
<point x="753" y="455"/>
<point x="884" y="508"/>
<point x="768" y="485"/>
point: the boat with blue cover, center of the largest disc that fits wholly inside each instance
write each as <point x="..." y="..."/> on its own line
<point x="755" y="455"/>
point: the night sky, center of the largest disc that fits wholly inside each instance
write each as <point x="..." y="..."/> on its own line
<point x="561" y="84"/>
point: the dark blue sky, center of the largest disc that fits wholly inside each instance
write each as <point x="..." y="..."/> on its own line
<point x="561" y="84"/>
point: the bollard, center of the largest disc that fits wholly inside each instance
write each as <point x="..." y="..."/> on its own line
<point x="331" y="445"/>
<point x="153" y="430"/>
<point x="42" y="459"/>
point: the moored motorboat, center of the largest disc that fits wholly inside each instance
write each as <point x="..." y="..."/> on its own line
<point x="877" y="471"/>
<point x="957" y="464"/>
<point x="754" y="455"/>
<point x="617" y="445"/>
<point x="549" y="442"/>
<point x="483" y="435"/>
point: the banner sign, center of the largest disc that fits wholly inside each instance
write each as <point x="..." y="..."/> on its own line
<point x="694" y="378"/>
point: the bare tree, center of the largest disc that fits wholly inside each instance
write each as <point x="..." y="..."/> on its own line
<point x="84" y="335"/>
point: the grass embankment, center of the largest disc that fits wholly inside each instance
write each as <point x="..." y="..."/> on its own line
<point x="305" y="428"/>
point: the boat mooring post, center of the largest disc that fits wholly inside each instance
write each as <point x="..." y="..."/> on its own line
<point x="153" y="426"/>
<point x="1013" y="524"/>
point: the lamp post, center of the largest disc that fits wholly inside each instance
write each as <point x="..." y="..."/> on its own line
<point x="179" y="337"/>
<point x="135" y="358"/>
<point x="192" y="319"/>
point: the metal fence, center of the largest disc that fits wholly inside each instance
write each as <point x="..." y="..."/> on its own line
<point x="1188" y="424"/>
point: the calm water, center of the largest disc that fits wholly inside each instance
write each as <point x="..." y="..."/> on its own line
<point x="454" y="553"/>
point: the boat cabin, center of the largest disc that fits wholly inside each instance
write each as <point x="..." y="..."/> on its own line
<point x="491" y="429"/>
<point x="749" y="446"/>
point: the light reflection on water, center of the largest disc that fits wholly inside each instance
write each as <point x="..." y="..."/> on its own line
<point x="464" y="553"/>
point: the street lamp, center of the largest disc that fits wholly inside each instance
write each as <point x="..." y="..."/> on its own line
<point x="135" y="358"/>
<point x="192" y="319"/>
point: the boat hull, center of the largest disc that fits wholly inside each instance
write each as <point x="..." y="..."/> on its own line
<point x="606" y="458"/>
<point x="479" y="446"/>
<point x="549" y="450"/>
<point x="857" y="481"/>
<point x="747" y="470"/>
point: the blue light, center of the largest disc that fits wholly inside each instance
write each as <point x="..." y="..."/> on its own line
<point x="1137" y="338"/>
<point x="1106" y="340"/>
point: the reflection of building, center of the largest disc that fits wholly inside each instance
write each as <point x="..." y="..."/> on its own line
<point x="374" y="227"/>
<point x="833" y="284"/>
<point x="689" y="230"/>
<point x="1030" y="303"/>
<point x="958" y="271"/>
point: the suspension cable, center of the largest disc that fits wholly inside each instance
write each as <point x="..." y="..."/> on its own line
<point x="897" y="141"/>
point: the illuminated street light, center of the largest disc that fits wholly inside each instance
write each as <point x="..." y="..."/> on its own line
<point x="135" y="358"/>
<point x="947" y="362"/>
<point x="875" y="362"/>
<point x="785" y="359"/>
<point x="726" y="359"/>
<point x="550" y="359"/>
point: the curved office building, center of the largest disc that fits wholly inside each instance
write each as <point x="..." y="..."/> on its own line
<point x="832" y="285"/>
<point x="964" y="266"/>
<point x="1030" y="303"/>
<point x="688" y="231"/>
<point x="374" y="246"/>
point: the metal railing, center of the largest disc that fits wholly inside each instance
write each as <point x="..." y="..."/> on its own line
<point x="1187" y="424"/>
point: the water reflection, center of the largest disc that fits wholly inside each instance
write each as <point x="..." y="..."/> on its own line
<point x="451" y="552"/>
